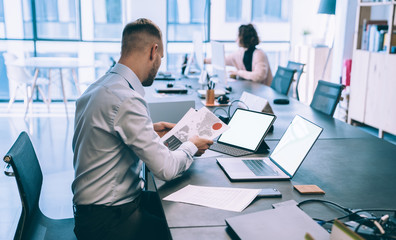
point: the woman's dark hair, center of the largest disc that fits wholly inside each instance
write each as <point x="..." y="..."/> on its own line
<point x="248" y="36"/>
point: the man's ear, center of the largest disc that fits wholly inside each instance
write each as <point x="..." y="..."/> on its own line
<point x="153" y="51"/>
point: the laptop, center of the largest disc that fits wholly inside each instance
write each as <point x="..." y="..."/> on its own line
<point x="284" y="160"/>
<point x="246" y="134"/>
<point x="288" y="222"/>
<point x="169" y="111"/>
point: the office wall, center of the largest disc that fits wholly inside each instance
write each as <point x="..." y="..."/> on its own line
<point x="344" y="34"/>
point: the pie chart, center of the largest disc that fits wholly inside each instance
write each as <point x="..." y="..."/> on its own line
<point x="217" y="126"/>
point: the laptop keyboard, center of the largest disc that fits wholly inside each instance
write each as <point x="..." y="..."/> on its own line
<point x="236" y="152"/>
<point x="260" y="168"/>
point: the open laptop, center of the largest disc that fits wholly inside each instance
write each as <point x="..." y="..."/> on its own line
<point x="246" y="134"/>
<point x="284" y="160"/>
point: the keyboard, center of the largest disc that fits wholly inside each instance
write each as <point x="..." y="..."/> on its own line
<point x="229" y="150"/>
<point x="260" y="168"/>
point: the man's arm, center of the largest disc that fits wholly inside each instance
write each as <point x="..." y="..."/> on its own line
<point x="136" y="129"/>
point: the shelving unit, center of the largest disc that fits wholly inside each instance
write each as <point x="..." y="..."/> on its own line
<point x="373" y="76"/>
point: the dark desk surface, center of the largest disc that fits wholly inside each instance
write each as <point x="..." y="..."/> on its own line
<point x="355" y="170"/>
<point x="355" y="173"/>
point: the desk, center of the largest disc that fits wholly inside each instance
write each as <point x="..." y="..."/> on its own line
<point x="53" y="63"/>
<point x="355" y="170"/>
<point x="285" y="113"/>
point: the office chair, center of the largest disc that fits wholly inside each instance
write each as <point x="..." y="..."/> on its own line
<point x="33" y="224"/>
<point x="23" y="80"/>
<point x="299" y="67"/>
<point x="326" y="97"/>
<point x="282" y="80"/>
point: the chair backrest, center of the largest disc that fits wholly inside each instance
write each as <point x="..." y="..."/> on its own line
<point x="29" y="178"/>
<point x="15" y="73"/>
<point x="326" y="97"/>
<point x="299" y="67"/>
<point x="282" y="80"/>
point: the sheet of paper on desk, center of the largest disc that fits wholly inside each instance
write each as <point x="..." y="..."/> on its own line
<point x="230" y="199"/>
<point x="202" y="123"/>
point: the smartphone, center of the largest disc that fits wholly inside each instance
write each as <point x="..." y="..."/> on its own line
<point x="269" y="192"/>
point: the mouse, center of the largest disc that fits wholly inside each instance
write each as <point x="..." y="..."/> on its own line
<point x="281" y="101"/>
<point x="169" y="85"/>
<point x="223" y="99"/>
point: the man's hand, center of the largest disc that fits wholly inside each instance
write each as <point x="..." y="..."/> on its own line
<point x="201" y="143"/>
<point x="161" y="128"/>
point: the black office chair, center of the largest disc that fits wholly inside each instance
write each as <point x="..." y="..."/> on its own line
<point x="299" y="67"/>
<point x="282" y="80"/>
<point x="33" y="224"/>
<point x="326" y="97"/>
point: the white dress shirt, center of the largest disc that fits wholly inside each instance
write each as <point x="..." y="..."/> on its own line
<point x="113" y="134"/>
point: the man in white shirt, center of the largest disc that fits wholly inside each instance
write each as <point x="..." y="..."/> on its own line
<point x="114" y="135"/>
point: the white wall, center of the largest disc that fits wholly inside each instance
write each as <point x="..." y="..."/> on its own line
<point x="304" y="17"/>
<point x="344" y="34"/>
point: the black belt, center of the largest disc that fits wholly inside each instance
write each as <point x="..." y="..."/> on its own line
<point x="93" y="207"/>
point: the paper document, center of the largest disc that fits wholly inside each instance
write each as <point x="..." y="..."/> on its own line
<point x="230" y="199"/>
<point x="202" y="123"/>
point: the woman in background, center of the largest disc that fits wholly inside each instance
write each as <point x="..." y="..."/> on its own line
<point x="251" y="63"/>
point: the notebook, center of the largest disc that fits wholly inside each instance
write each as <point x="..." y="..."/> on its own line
<point x="284" y="160"/>
<point x="288" y="222"/>
<point x="246" y="134"/>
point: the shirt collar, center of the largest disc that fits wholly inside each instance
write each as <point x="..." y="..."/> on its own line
<point x="129" y="76"/>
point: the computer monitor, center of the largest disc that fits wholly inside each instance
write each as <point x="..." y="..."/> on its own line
<point x="197" y="56"/>
<point x="218" y="62"/>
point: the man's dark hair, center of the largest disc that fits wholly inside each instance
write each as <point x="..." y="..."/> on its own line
<point x="137" y="34"/>
<point x="248" y="36"/>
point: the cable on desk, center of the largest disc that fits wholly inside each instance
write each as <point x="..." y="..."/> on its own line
<point x="367" y="210"/>
<point x="229" y="107"/>
<point x="325" y="201"/>
<point x="216" y="109"/>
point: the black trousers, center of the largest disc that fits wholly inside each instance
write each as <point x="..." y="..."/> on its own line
<point x="141" y="219"/>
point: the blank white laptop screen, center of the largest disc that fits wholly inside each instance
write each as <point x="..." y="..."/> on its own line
<point x="247" y="128"/>
<point x="295" y="144"/>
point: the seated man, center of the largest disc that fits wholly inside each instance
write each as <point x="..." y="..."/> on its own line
<point x="114" y="135"/>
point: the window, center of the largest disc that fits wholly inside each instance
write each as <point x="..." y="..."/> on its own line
<point x="57" y="19"/>
<point x="107" y="19"/>
<point x="270" y="10"/>
<point x="27" y="19"/>
<point x="233" y="10"/>
<point x="2" y="25"/>
<point x="186" y="17"/>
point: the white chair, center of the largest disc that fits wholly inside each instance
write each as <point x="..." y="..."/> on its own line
<point x="23" y="80"/>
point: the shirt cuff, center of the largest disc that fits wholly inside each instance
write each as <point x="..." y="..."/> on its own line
<point x="189" y="147"/>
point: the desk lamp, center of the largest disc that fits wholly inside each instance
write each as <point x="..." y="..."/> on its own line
<point x="327" y="7"/>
